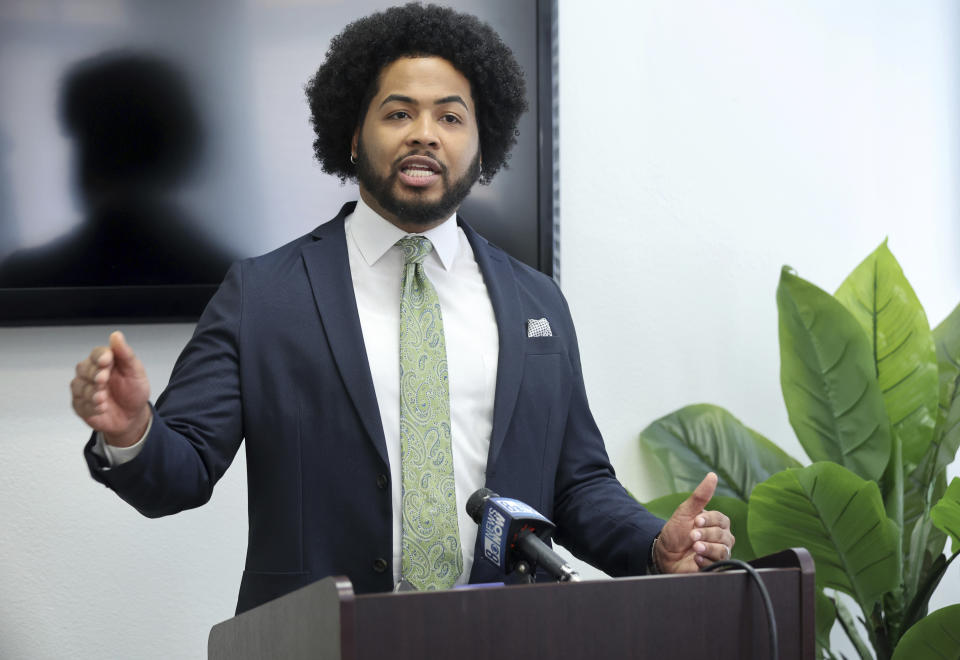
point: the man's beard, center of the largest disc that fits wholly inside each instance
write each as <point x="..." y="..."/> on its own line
<point x="416" y="211"/>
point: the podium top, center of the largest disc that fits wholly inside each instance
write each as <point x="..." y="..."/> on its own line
<point x="718" y="615"/>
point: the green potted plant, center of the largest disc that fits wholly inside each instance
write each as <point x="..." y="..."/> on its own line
<point x="873" y="396"/>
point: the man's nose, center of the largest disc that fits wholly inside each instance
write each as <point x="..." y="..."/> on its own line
<point x="423" y="132"/>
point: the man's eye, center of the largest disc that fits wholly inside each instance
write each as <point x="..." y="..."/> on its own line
<point x="450" y="119"/>
<point x="399" y="114"/>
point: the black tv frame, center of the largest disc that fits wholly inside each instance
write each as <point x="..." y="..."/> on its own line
<point x="45" y="306"/>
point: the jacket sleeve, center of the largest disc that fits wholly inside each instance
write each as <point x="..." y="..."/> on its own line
<point x="197" y="422"/>
<point x="597" y="520"/>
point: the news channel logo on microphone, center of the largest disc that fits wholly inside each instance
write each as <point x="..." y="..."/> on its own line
<point x="504" y="518"/>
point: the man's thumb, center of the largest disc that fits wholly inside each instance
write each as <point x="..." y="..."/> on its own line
<point x="122" y="353"/>
<point x="700" y="496"/>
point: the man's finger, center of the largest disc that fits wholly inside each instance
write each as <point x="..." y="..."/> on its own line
<point x="711" y="551"/>
<point x="712" y="519"/>
<point x="712" y="535"/>
<point x="97" y="376"/>
<point x="83" y="389"/>
<point x="700" y="496"/>
<point x="76" y="387"/>
<point x="100" y="358"/>
<point x="84" y="407"/>
<point x="86" y="369"/>
<point x="715" y="534"/>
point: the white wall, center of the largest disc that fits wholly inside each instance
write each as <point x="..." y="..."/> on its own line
<point x="83" y="575"/>
<point x="703" y="145"/>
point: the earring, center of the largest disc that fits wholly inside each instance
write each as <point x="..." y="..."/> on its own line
<point x="353" y="159"/>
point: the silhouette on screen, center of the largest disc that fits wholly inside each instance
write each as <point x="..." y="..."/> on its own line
<point x="137" y="137"/>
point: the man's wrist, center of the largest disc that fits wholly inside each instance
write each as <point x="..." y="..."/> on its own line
<point x="116" y="456"/>
<point x="134" y="435"/>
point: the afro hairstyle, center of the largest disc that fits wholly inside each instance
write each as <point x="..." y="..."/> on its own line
<point x="341" y="90"/>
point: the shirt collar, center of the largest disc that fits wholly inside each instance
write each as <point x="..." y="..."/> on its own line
<point x="375" y="235"/>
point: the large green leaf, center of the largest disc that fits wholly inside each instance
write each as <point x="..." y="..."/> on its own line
<point x="663" y="507"/>
<point x="829" y="381"/>
<point x="883" y="302"/>
<point x="934" y="636"/>
<point x="922" y="486"/>
<point x="826" y="616"/>
<point x="917" y="608"/>
<point x="926" y="483"/>
<point x="701" y="438"/>
<point x="732" y="507"/>
<point x="839" y="518"/>
<point x="922" y="542"/>
<point x="945" y="514"/>
<point x="925" y="547"/>
<point x="947" y="340"/>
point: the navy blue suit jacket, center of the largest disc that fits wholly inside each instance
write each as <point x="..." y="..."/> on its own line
<point x="278" y="359"/>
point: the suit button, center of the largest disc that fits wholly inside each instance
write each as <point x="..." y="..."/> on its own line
<point x="382" y="481"/>
<point x="380" y="565"/>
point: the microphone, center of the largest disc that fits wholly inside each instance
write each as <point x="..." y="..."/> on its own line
<point x="514" y="534"/>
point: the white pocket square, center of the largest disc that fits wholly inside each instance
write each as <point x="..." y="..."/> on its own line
<point x="538" y="328"/>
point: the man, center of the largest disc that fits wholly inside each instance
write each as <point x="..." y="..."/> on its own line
<point x="360" y="463"/>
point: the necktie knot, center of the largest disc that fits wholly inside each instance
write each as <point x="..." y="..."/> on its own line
<point x="415" y="248"/>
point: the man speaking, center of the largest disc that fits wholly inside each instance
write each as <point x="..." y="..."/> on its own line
<point x="390" y="363"/>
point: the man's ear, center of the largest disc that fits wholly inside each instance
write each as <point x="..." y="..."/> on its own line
<point x="354" y="143"/>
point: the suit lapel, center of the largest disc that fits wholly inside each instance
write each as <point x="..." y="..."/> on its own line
<point x="328" y="269"/>
<point x="505" y="298"/>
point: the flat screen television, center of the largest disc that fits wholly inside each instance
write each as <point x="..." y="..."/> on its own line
<point x="146" y="145"/>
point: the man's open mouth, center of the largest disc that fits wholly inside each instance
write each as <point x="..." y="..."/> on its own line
<point x="419" y="170"/>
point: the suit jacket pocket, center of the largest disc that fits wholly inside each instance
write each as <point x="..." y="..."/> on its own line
<point x="543" y="345"/>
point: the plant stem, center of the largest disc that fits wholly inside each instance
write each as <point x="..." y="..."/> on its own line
<point x="893" y="484"/>
<point x="850" y="628"/>
<point x="880" y="633"/>
<point x="918" y="606"/>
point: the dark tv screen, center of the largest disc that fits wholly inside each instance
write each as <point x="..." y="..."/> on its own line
<point x="144" y="146"/>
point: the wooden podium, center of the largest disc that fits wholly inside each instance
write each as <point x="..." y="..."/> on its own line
<point x="702" y="615"/>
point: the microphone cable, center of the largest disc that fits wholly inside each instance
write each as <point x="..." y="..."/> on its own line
<point x="736" y="564"/>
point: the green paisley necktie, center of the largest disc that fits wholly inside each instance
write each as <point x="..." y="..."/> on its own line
<point x="430" y="537"/>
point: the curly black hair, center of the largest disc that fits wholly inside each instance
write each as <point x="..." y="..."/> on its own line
<point x="343" y="86"/>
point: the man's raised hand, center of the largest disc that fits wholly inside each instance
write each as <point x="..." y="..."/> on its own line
<point x="111" y="392"/>
<point x="693" y="537"/>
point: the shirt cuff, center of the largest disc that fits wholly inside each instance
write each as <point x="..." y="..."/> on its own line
<point x="653" y="568"/>
<point x="116" y="456"/>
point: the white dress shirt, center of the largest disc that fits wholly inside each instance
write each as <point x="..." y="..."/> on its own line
<point x="470" y="334"/>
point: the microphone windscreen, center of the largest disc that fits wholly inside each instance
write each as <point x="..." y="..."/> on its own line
<point x="475" y="503"/>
